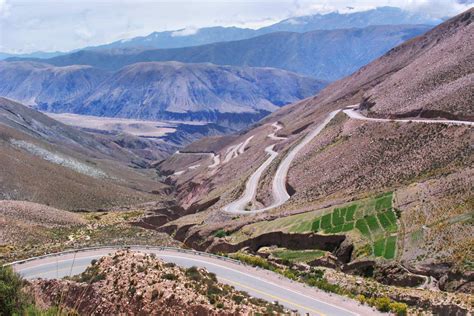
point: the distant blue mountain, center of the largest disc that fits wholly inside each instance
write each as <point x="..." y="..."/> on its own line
<point x="326" y="55"/>
<point x="330" y="21"/>
<point x="207" y="35"/>
<point x="31" y="55"/>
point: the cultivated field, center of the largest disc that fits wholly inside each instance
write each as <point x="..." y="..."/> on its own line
<point x="372" y="222"/>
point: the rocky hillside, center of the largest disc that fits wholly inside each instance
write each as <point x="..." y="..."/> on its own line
<point x="232" y="95"/>
<point x="136" y="283"/>
<point x="443" y="61"/>
<point x="406" y="184"/>
<point x="323" y="54"/>
<point x="41" y="84"/>
<point x="175" y="90"/>
<point x="54" y="164"/>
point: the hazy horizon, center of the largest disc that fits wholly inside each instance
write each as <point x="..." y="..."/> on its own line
<point x="48" y="25"/>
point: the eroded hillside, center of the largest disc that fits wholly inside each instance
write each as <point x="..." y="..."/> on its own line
<point x="353" y="159"/>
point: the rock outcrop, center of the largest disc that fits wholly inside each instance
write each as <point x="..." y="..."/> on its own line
<point x="129" y="283"/>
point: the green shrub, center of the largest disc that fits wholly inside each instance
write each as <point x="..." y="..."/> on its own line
<point x="382" y="304"/>
<point x="193" y="273"/>
<point x="400" y="309"/>
<point x="253" y="260"/>
<point x="221" y="233"/>
<point x="290" y="274"/>
<point x="91" y="275"/>
<point x="237" y="298"/>
<point x="361" y="298"/>
<point x="213" y="290"/>
<point x="170" y="276"/>
<point x="12" y="299"/>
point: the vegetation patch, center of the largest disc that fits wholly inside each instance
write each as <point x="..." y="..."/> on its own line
<point x="371" y="221"/>
<point x="298" y="255"/>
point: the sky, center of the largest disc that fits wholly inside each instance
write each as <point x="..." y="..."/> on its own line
<point x="63" y="25"/>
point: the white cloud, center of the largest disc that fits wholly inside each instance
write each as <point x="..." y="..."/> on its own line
<point x="65" y="25"/>
<point x="4" y="9"/>
<point x="436" y="8"/>
<point x="189" y="30"/>
<point x="84" y="33"/>
<point x="432" y="8"/>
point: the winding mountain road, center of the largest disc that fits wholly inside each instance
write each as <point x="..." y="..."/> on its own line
<point x="240" y="205"/>
<point x="279" y="190"/>
<point x="257" y="282"/>
<point x="353" y="114"/>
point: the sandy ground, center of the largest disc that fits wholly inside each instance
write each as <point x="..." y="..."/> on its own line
<point x="130" y="126"/>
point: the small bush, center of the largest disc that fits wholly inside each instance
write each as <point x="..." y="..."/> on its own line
<point x="12" y="299"/>
<point x="213" y="290"/>
<point x="193" y="273"/>
<point x="400" y="309"/>
<point x="237" y="298"/>
<point x="170" y="276"/>
<point x="253" y="260"/>
<point x="220" y="233"/>
<point x="382" y="304"/>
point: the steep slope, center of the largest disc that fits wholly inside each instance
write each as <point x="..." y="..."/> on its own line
<point x="420" y="170"/>
<point x="326" y="55"/>
<point x="42" y="84"/>
<point x="444" y="62"/>
<point x="196" y="92"/>
<point x="235" y="96"/>
<point x="329" y="21"/>
<point x="50" y="163"/>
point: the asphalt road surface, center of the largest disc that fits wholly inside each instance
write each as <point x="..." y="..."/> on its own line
<point x="279" y="192"/>
<point x="352" y="113"/>
<point x="257" y="282"/>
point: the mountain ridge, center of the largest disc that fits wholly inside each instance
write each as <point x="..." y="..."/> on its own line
<point x="325" y="55"/>
<point x="157" y="90"/>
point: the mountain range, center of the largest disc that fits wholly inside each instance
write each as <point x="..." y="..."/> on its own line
<point x="207" y="35"/>
<point x="169" y="90"/>
<point x="325" y="55"/>
<point x="396" y="154"/>
<point x="363" y="189"/>
<point x="301" y="24"/>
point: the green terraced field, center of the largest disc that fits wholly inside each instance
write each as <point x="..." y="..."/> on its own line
<point x="379" y="247"/>
<point x="390" y="247"/>
<point x="374" y="219"/>
<point x="298" y="255"/>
